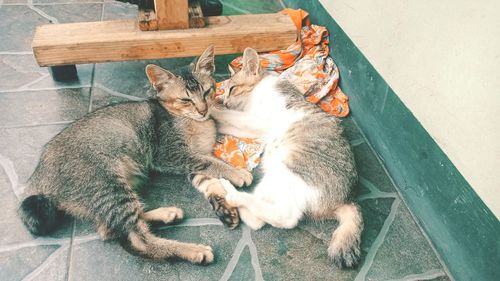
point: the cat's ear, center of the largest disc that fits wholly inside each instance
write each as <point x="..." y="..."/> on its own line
<point x="232" y="70"/>
<point x="251" y="63"/>
<point x="205" y="63"/>
<point x="158" y="76"/>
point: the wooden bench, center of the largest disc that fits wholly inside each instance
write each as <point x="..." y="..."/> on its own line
<point x="61" y="46"/>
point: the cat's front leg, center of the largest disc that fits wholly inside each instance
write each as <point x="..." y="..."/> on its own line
<point x="238" y="124"/>
<point x="220" y="169"/>
<point x="233" y="198"/>
<point x="215" y="193"/>
<point x="205" y="178"/>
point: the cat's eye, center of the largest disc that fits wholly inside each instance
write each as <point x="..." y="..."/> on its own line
<point x="231" y="89"/>
<point x="186" y="101"/>
<point x="205" y="94"/>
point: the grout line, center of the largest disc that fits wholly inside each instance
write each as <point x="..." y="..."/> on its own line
<point x="118" y="94"/>
<point x="238" y="250"/>
<point x="282" y="4"/>
<point x="254" y="255"/>
<point x="378" y="242"/>
<point x="234" y="7"/>
<point x="92" y="75"/>
<point x="25" y="86"/>
<point x="194" y="222"/>
<point x="70" y="254"/>
<point x="245" y="240"/>
<point x="91" y="90"/>
<point x="49" y="4"/>
<point x="44" y="89"/>
<point x="357" y="142"/>
<point x="45" y="263"/>
<point x="15" y="53"/>
<point x="41" y="13"/>
<point x="429" y="241"/>
<point x="34" y="243"/>
<point x="102" y="11"/>
<point x="86" y="238"/>
<point x="368" y="184"/>
<point x="375" y="196"/>
<point x="10" y="170"/>
<point x="429" y="275"/>
<point x="37" y="124"/>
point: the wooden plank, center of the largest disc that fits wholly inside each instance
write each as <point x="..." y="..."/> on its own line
<point x="196" y="19"/>
<point x="172" y="14"/>
<point x="92" y="42"/>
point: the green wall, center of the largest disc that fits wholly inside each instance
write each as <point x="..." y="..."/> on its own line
<point x="463" y="230"/>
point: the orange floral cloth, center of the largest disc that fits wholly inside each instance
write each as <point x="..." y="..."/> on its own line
<point x="307" y="65"/>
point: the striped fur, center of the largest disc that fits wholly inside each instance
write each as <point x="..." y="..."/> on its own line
<point x="92" y="168"/>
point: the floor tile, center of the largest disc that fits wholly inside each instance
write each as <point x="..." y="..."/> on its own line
<point x="393" y="246"/>
<point x="118" y="11"/>
<point x="70" y="13"/>
<point x="16" y="265"/>
<point x="17" y="35"/>
<point x="370" y="169"/>
<point x="97" y="260"/>
<point x="351" y="130"/>
<point x="18" y="70"/>
<point x="63" y="1"/>
<point x="43" y="107"/>
<point x="238" y="7"/>
<point x="405" y="251"/>
<point x="23" y="255"/>
<point x="21" y="148"/>
<point x="243" y="270"/>
<point x="21" y="73"/>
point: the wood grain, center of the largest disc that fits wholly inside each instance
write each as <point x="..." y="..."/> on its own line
<point x="172" y="14"/>
<point x="92" y="42"/>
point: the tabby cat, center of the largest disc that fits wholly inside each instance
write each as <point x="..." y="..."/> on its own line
<point x="92" y="168"/>
<point x="308" y="166"/>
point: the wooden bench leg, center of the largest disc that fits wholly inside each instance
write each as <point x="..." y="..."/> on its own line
<point x="64" y="73"/>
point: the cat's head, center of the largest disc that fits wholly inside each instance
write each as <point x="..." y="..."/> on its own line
<point x="186" y="93"/>
<point x="242" y="82"/>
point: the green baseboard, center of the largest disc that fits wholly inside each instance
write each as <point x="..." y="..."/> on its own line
<point x="464" y="232"/>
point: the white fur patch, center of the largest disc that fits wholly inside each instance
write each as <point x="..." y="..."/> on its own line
<point x="282" y="196"/>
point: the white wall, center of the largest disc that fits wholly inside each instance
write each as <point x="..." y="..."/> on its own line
<point x="442" y="58"/>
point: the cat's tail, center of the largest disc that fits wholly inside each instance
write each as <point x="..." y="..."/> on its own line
<point x="39" y="214"/>
<point x="344" y="248"/>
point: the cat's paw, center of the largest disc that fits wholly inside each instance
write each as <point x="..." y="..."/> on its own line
<point x="165" y="215"/>
<point x="197" y="253"/>
<point x="227" y="214"/>
<point x="240" y="177"/>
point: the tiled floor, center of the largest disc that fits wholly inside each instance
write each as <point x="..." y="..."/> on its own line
<point x="33" y="108"/>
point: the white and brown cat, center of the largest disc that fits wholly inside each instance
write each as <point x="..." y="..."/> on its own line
<point x="308" y="166"/>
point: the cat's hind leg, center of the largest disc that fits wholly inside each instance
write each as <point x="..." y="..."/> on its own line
<point x="165" y="215"/>
<point x="140" y="241"/>
<point x="249" y="219"/>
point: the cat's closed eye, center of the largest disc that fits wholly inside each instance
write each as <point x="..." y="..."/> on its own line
<point x="205" y="94"/>
<point x="186" y="101"/>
